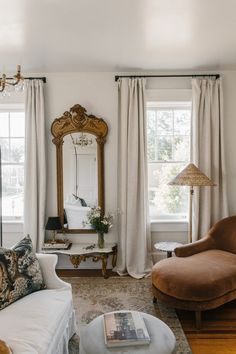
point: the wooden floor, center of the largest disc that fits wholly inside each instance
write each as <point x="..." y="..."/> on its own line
<point x="218" y="333"/>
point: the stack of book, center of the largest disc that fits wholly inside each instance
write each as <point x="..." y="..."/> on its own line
<point x="63" y="245"/>
<point x="125" y="329"/>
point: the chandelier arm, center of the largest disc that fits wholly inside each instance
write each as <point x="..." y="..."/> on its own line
<point x="12" y="83"/>
<point x="17" y="78"/>
<point x="2" y="86"/>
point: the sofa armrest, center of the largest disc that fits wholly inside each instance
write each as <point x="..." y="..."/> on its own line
<point x="202" y="245"/>
<point x="48" y="264"/>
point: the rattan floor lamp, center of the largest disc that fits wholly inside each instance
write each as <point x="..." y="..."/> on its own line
<point x="191" y="176"/>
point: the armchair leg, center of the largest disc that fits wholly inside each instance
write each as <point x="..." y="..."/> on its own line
<point x="154" y="300"/>
<point x="198" y="318"/>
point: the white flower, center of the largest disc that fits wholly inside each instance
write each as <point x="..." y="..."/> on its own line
<point x="97" y="220"/>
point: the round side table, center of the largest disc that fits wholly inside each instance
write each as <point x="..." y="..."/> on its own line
<point x="162" y="339"/>
<point x="167" y="247"/>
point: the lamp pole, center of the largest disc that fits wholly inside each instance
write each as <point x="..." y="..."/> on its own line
<point x="190" y="223"/>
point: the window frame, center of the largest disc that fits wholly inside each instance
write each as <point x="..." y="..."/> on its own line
<point x="170" y="104"/>
<point x="12" y="107"/>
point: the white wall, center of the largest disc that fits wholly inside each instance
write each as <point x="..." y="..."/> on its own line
<point x="97" y="92"/>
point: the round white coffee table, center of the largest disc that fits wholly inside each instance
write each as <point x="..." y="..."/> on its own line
<point x="162" y="338"/>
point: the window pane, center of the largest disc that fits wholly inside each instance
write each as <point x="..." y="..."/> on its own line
<point x="166" y="202"/>
<point x="165" y="122"/>
<point x="164" y="148"/>
<point x="182" y="122"/>
<point x="151" y="118"/>
<point x="17" y="124"/>
<point x="5" y="149"/>
<point x="151" y="149"/>
<point x="4" y="124"/>
<point x="12" y="191"/>
<point x="181" y="148"/>
<point x="17" y="150"/>
<point x="152" y="133"/>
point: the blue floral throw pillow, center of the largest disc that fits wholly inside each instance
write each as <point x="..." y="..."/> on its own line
<point x="20" y="272"/>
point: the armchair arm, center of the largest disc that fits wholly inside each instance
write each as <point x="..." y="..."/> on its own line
<point x="204" y="244"/>
<point x="48" y="264"/>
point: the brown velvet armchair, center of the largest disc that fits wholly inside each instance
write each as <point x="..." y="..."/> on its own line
<point x="203" y="275"/>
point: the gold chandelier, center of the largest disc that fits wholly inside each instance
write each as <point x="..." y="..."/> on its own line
<point x="15" y="81"/>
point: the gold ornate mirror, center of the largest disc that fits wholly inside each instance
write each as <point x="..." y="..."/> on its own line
<point x="79" y="140"/>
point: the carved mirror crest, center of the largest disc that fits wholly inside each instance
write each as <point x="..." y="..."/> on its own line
<point x="79" y="140"/>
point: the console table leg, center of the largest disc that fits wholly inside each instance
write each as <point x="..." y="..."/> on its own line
<point x="104" y="266"/>
<point x="114" y="258"/>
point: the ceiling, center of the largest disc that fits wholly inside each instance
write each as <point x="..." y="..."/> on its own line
<point x="117" y="35"/>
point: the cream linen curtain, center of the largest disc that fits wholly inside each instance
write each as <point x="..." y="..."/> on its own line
<point x="134" y="256"/>
<point x="210" y="203"/>
<point x="35" y="163"/>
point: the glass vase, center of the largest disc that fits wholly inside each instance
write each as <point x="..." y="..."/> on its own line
<point x="100" y="240"/>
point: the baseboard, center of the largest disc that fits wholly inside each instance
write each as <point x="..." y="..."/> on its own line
<point x="84" y="273"/>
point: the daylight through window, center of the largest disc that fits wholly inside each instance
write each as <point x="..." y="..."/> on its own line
<point x="168" y="129"/>
<point x="12" y="135"/>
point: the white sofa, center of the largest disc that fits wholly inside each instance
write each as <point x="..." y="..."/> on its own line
<point x="44" y="321"/>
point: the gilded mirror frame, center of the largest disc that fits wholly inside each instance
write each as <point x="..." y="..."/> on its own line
<point x="73" y="121"/>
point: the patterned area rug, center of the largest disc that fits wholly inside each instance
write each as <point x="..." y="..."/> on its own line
<point x="95" y="296"/>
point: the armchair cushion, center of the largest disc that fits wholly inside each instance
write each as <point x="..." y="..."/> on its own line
<point x="200" y="277"/>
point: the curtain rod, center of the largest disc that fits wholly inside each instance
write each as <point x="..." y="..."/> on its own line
<point x="44" y="79"/>
<point x="192" y="75"/>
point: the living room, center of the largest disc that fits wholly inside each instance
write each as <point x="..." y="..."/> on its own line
<point x="84" y="58"/>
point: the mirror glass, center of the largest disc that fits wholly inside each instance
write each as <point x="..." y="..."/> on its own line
<point x="80" y="179"/>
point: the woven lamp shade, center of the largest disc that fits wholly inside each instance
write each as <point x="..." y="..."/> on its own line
<point x="191" y="176"/>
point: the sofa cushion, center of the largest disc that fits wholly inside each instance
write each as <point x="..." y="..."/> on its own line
<point x="201" y="277"/>
<point x="36" y="323"/>
<point x="20" y="272"/>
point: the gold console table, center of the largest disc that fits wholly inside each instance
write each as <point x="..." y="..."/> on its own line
<point x="79" y="252"/>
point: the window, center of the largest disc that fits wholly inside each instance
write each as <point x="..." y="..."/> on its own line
<point x="168" y="129"/>
<point x="12" y="133"/>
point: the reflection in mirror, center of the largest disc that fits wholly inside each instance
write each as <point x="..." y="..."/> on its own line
<point x="80" y="180"/>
